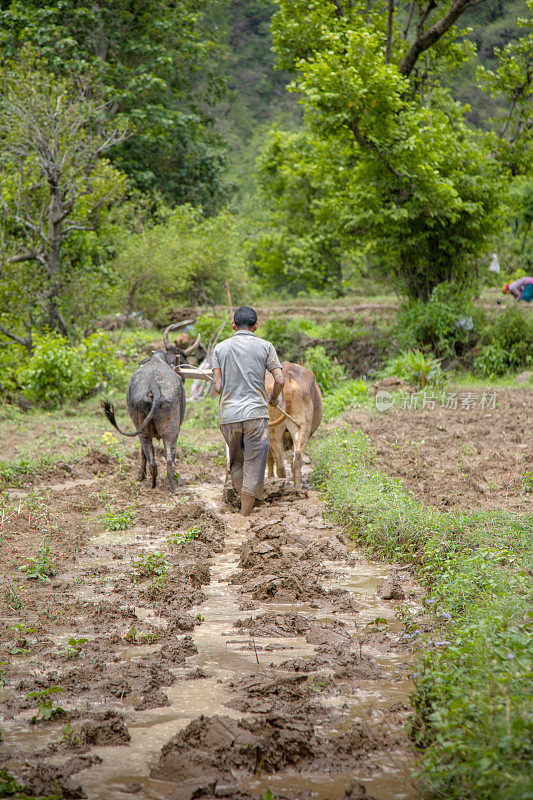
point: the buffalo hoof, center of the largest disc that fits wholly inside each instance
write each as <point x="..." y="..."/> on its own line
<point x="141" y="476"/>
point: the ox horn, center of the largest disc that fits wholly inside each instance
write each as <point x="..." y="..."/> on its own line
<point x="193" y="347"/>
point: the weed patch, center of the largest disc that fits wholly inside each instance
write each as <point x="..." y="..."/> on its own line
<point x="473" y="688"/>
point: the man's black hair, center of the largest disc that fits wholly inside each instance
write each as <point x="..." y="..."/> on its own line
<point x="245" y="317"/>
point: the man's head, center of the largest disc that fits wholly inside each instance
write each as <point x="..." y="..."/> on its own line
<point x="244" y="318"/>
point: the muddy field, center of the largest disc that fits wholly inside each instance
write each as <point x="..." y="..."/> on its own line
<point x="474" y="457"/>
<point x="170" y="649"/>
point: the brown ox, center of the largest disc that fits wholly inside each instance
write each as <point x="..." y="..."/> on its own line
<point x="301" y="399"/>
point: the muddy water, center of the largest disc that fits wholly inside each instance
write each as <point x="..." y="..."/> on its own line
<point x="222" y="655"/>
<point x="227" y="653"/>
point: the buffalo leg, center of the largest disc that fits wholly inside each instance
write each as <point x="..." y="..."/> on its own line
<point x="142" y="471"/>
<point x="148" y="450"/>
<point x="170" y="452"/>
<point x="270" y="464"/>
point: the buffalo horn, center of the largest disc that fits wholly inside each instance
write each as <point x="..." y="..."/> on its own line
<point x="193" y="347"/>
<point x="174" y="327"/>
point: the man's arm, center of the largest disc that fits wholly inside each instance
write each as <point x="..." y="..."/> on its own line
<point x="217" y="380"/>
<point x="279" y="382"/>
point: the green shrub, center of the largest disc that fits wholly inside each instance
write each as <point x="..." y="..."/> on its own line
<point x="447" y="325"/>
<point x="416" y="368"/>
<point x="57" y="371"/>
<point x="208" y="326"/>
<point x="327" y="371"/>
<point x="344" y="396"/>
<point x="509" y="344"/>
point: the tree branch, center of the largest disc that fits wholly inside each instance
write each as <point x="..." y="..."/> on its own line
<point x="25" y="342"/>
<point x="426" y="40"/>
<point x="389" y="31"/>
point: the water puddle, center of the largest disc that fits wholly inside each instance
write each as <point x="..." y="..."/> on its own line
<point x="226" y="653"/>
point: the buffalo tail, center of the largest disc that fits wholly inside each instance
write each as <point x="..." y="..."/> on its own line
<point x="109" y="410"/>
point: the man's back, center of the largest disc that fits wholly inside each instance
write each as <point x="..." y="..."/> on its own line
<point x="243" y="361"/>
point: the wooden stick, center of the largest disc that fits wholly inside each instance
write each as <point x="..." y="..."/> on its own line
<point x="229" y="300"/>
<point x="277" y="421"/>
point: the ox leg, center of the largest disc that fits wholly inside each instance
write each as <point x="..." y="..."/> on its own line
<point x="148" y="450"/>
<point x="300" y="443"/>
<point x="270" y="464"/>
<point x="276" y="450"/>
<point x="170" y="452"/>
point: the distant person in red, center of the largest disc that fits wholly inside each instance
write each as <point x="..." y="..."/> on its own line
<point x="522" y="289"/>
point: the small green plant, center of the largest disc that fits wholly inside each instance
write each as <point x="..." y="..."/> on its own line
<point x="3" y="672"/>
<point x="13" y="596"/>
<point x="22" y="644"/>
<point x="69" y="735"/>
<point x="74" y="647"/>
<point x="45" y="707"/>
<point x="180" y="537"/>
<point x="118" y="520"/>
<point x="527" y="483"/>
<point x="133" y="636"/>
<point x="200" y="617"/>
<point x="414" y="367"/>
<point x="9" y="785"/>
<point x="152" y="564"/>
<point x="40" y="568"/>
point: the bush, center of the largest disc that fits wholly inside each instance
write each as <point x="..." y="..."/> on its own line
<point x="57" y="371"/>
<point x="416" y="368"/>
<point x="208" y="326"/>
<point x="344" y="396"/>
<point x="327" y="372"/>
<point x="447" y="325"/>
<point x="509" y="344"/>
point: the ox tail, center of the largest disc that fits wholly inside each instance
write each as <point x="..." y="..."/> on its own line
<point x="109" y="410"/>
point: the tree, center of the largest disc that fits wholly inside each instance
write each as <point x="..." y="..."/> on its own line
<point x="153" y="62"/>
<point x="302" y="249"/>
<point x="56" y="194"/>
<point x="408" y="180"/>
<point x="185" y="258"/>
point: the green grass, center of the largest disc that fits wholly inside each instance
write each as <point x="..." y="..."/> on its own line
<point x="472" y="701"/>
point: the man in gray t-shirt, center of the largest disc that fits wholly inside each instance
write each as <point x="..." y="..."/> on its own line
<point x="239" y="367"/>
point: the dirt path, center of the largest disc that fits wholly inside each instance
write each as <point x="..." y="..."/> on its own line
<point x="221" y="658"/>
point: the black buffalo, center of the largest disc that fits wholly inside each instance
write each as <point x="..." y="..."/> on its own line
<point x="156" y="405"/>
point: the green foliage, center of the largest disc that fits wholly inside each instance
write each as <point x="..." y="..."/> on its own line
<point x="22" y="644"/>
<point x="327" y="371"/>
<point x="153" y="65"/>
<point x="41" y="567"/>
<point x="415" y="367"/>
<point x="9" y="785"/>
<point x="60" y="201"/>
<point x="472" y="684"/>
<point x="186" y="258"/>
<point x="509" y="344"/>
<point x="209" y="327"/>
<point x="390" y="172"/>
<point x="57" y="371"/>
<point x="45" y="707"/>
<point x="447" y="325"/>
<point x="133" y="636"/>
<point x="301" y="250"/>
<point x="344" y="396"/>
<point x="151" y="564"/>
<point x="181" y="537"/>
<point x="74" y="647"/>
<point x="118" y="520"/>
